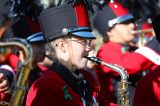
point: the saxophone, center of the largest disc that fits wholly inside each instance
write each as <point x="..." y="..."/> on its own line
<point x="123" y="93"/>
<point x="19" y="87"/>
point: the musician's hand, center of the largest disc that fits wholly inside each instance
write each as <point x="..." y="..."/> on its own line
<point x="4" y="83"/>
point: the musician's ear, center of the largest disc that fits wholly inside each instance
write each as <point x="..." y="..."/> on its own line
<point x="61" y="44"/>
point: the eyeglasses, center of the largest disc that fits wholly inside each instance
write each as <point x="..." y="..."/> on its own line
<point x="85" y="43"/>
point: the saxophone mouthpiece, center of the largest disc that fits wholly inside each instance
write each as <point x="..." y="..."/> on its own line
<point x="94" y="59"/>
<point x="87" y="57"/>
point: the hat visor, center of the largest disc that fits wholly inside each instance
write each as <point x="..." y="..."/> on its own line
<point x="120" y="19"/>
<point x="84" y="34"/>
<point x="125" y="18"/>
<point x="37" y="37"/>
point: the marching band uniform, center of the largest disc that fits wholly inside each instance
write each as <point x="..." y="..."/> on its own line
<point x="131" y="61"/>
<point x="148" y="90"/>
<point x="104" y="20"/>
<point x="62" y="89"/>
<point x="24" y="27"/>
<point x="58" y="86"/>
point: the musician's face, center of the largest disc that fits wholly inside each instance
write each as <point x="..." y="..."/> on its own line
<point x="38" y="52"/>
<point x="71" y="51"/>
<point x="121" y="33"/>
<point x="78" y="48"/>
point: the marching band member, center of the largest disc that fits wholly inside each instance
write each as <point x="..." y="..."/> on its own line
<point x="115" y="22"/>
<point x="68" y="33"/>
<point x="148" y="89"/>
<point x="7" y="65"/>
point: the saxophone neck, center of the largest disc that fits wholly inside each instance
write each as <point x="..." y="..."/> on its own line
<point x="123" y="73"/>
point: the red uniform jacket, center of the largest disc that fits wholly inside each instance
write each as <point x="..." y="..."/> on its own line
<point x="58" y="88"/>
<point x="148" y="90"/>
<point x="115" y="53"/>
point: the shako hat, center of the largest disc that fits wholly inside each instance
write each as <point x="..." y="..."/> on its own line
<point x="64" y="20"/>
<point x="110" y="14"/>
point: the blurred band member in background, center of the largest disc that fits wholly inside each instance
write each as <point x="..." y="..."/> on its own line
<point x="148" y="88"/>
<point x="115" y="22"/>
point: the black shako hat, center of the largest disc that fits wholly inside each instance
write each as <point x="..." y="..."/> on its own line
<point x="64" y="20"/>
<point x="110" y="14"/>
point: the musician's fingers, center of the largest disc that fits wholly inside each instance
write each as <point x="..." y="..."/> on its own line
<point x="4" y="85"/>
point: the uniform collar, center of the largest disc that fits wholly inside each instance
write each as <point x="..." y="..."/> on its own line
<point x="79" y="85"/>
